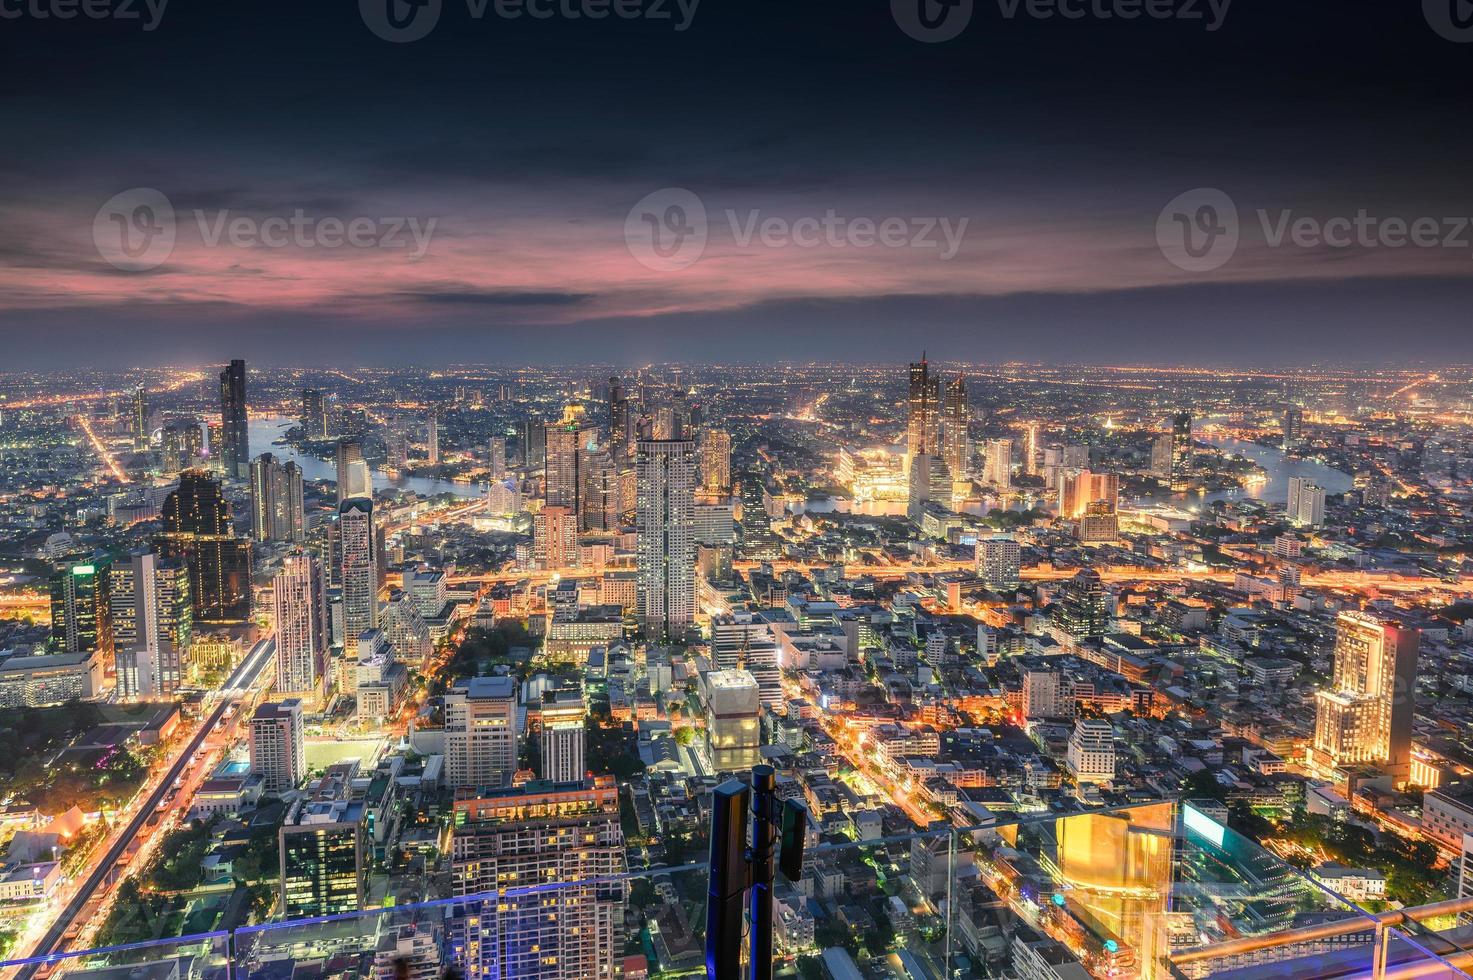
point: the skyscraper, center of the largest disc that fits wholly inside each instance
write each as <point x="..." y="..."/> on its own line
<point x="956" y="420"/>
<point x="235" y="449"/>
<point x="81" y="611"/>
<point x="278" y="512"/>
<point x="555" y="538"/>
<point x="301" y="627"/>
<point x="140" y="420"/>
<point x="999" y="561"/>
<point x="1181" y="451"/>
<point x="432" y="437"/>
<point x="744" y="641"/>
<point x="566" y="443"/>
<point x="481" y="732"/>
<point x="930" y="484"/>
<point x="665" y="545"/>
<point x="1306" y="503"/>
<point x="1293" y="425"/>
<point x="276" y="745"/>
<point x="354" y="479"/>
<point x="716" y="461"/>
<point x="601" y="502"/>
<point x="1365" y="716"/>
<point x="563" y="714"/>
<point x="323" y="859"/>
<point x="1083" y="609"/>
<point x="198" y="529"/>
<point x="534" y="442"/>
<point x="314" y="414"/>
<point x="619" y="420"/>
<point x="153" y="624"/>
<point x="923" y="426"/>
<point x="563" y="838"/>
<point x="359" y="574"/>
<point x="183" y="445"/>
<point x="998" y="471"/>
<point x="733" y="723"/>
<point x="496" y="457"/>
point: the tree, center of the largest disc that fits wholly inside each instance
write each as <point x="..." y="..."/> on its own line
<point x="685" y="735"/>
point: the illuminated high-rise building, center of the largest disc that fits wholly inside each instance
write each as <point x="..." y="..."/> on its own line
<point x="733" y="720"/>
<point x="1083" y="606"/>
<point x="139" y="420"/>
<point x="358" y="568"/>
<point x="566" y="442"/>
<point x="324" y="858"/>
<point x="930" y="485"/>
<point x="354" y="479"/>
<point x="153" y="624"/>
<point x="534" y="443"/>
<point x="1079" y="489"/>
<point x="1306" y="504"/>
<point x="481" y="732"/>
<point x="716" y="461"/>
<point x="81" y="609"/>
<point x="277" y="745"/>
<point x="301" y="627"/>
<point x="923" y="424"/>
<point x="496" y="457"/>
<point x="1365" y="716"/>
<point x="600" y="499"/>
<point x="277" y="509"/>
<point x="1181" y="451"/>
<point x="998" y="469"/>
<point x="665" y="544"/>
<point x="956" y="420"/>
<point x="620" y="420"/>
<point x="235" y="447"/>
<point x="432" y="437"/>
<point x="1293" y="426"/>
<point x="565" y="839"/>
<point x="999" y="561"/>
<point x="555" y="539"/>
<point x="314" y="414"/>
<point x="563" y="714"/>
<point x="198" y="530"/>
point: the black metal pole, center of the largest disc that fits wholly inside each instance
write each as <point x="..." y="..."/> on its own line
<point x="727" y="882"/>
<point x="764" y="836"/>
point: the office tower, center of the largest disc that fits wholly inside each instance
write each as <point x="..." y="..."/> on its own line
<point x="396" y="452"/>
<point x="555" y="539"/>
<point x="1365" y="717"/>
<point x="432" y="437"/>
<point x="314" y="414"/>
<point x="81" y="610"/>
<point x="324" y="867"/>
<point x="1306" y="504"/>
<point x="998" y="469"/>
<point x="619" y="420"/>
<point x="1047" y="694"/>
<point x="716" y="461"/>
<point x="534" y="443"/>
<point x="235" y="448"/>
<point x="601" y="501"/>
<point x="715" y="522"/>
<point x="353" y="474"/>
<point x="149" y="657"/>
<point x="198" y="530"/>
<point x="744" y="641"/>
<point x="496" y="457"/>
<point x="999" y="561"/>
<point x="359" y="568"/>
<point x="733" y="729"/>
<point x="1083" y="609"/>
<point x="1030" y="450"/>
<point x="930" y="485"/>
<point x="276" y="745"/>
<point x="563" y="714"/>
<point x="565" y="441"/>
<point x="139" y="420"/>
<point x="1181" y="451"/>
<point x="923" y="424"/>
<point x="665" y="547"/>
<point x="956" y="420"/>
<point x="1161" y="456"/>
<point x="563" y="842"/>
<point x="1091" y="753"/>
<point x="278" y="512"/>
<point x="481" y="732"/>
<point x="301" y="627"/>
<point x="1098" y="524"/>
<point x="1293" y="424"/>
<point x="1078" y="489"/>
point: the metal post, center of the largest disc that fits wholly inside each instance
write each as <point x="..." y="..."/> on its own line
<point x="727" y="881"/>
<point x="764" y="835"/>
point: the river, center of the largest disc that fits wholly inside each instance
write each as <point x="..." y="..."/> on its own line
<point x="264" y="433"/>
<point x="1278" y="468"/>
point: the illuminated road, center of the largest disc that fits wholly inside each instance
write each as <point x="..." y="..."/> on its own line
<point x="52" y="944"/>
<point x="102" y="451"/>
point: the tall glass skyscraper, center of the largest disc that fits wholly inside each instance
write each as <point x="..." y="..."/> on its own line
<point x="235" y="448"/>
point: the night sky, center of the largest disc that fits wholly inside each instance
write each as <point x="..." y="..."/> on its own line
<point x="528" y="141"/>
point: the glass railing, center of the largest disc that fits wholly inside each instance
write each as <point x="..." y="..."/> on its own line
<point x="1154" y="891"/>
